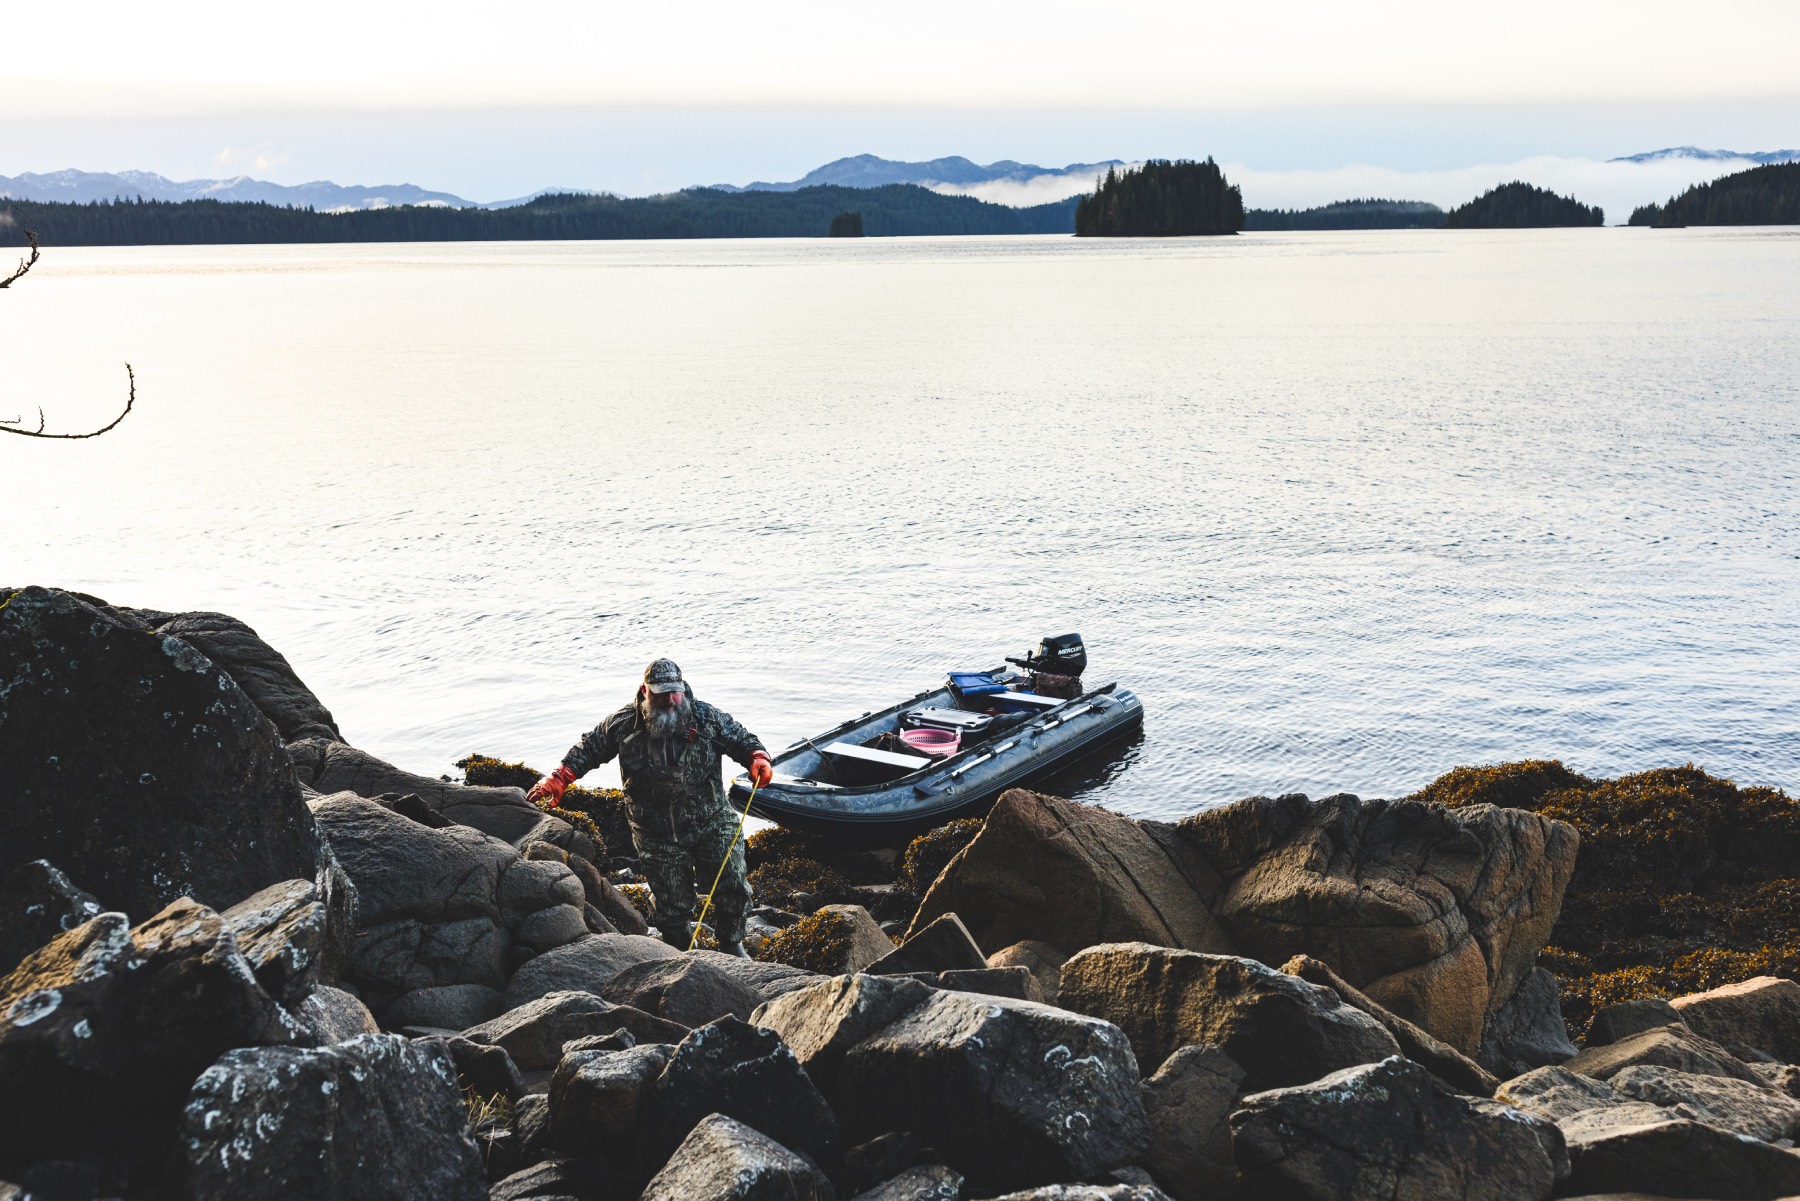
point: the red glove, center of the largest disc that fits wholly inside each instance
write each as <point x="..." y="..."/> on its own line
<point x="551" y="787"/>
<point x="760" y="771"/>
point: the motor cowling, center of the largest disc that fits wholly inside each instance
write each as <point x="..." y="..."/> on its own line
<point x="1061" y="655"/>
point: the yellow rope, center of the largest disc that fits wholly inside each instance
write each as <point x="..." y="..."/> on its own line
<point x="720" y="875"/>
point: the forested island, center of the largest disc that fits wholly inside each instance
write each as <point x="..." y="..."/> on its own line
<point x="1520" y="205"/>
<point x="1161" y="198"/>
<point x="897" y="209"/>
<point x="1768" y="195"/>
<point x="1350" y="214"/>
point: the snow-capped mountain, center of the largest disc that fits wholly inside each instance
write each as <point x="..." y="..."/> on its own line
<point x="81" y="187"/>
<point x="1696" y="152"/>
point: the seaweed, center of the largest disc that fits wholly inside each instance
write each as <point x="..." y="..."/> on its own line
<point x="1684" y="880"/>
<point x="817" y="943"/>
<point x="788" y="877"/>
<point x="488" y="772"/>
<point x="928" y="854"/>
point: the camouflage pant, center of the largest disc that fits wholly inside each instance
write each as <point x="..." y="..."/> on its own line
<point x="680" y="872"/>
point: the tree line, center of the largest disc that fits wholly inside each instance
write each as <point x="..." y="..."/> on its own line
<point x="1349" y="214"/>
<point x="1520" y="205"/>
<point x="896" y="209"/>
<point x="1161" y="198"/>
<point x="1766" y="195"/>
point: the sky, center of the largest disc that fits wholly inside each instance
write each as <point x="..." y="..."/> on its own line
<point x="492" y="102"/>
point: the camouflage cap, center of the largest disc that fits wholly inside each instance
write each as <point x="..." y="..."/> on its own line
<point x="664" y="676"/>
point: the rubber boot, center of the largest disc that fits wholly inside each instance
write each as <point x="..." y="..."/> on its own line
<point x="734" y="948"/>
<point x="678" y="934"/>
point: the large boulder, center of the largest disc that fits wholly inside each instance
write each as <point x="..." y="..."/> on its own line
<point x="445" y="1007"/>
<point x="375" y="1118"/>
<point x="1437" y="914"/>
<point x="443" y="906"/>
<point x="766" y="980"/>
<point x="942" y="944"/>
<point x="1009" y="1092"/>
<point x="585" y="965"/>
<point x="745" y="1072"/>
<point x="1613" y="1151"/>
<point x="140" y="768"/>
<point x="331" y="1015"/>
<point x="1625" y="1018"/>
<point x="327" y="766"/>
<point x="534" y="1033"/>
<point x="1528" y="1031"/>
<point x="1444" y="1061"/>
<point x="1072" y="875"/>
<point x="1661" y="1046"/>
<point x="1279" y="1028"/>
<point x="1188" y="1101"/>
<point x="37" y="904"/>
<point x="821" y="1024"/>
<point x="1752" y="1110"/>
<point x="684" y="989"/>
<point x="1762" y="1014"/>
<point x="259" y="669"/>
<point x="597" y="1101"/>
<point x="726" y="1160"/>
<point x="284" y="932"/>
<point x="1387" y="1130"/>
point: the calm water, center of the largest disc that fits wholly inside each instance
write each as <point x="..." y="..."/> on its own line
<point x="1347" y="510"/>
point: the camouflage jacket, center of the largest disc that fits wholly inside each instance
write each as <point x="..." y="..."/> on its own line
<point x="674" y="789"/>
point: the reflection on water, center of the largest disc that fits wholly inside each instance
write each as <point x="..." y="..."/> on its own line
<point x="1344" y="510"/>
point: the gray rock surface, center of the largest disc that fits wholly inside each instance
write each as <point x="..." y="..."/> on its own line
<point x="684" y="989"/>
<point x="259" y="669"/>
<point x="821" y="1023"/>
<point x="1010" y="1093"/>
<point x="1042" y="960"/>
<point x="1088" y="1192"/>
<point x="1662" y="1046"/>
<point x="745" y="1072"/>
<point x="1753" y="1110"/>
<point x="1188" y="1101"/>
<point x="1444" y="1061"/>
<point x="282" y="932"/>
<point x="941" y="945"/>
<point x="1015" y="982"/>
<point x="1625" y="1018"/>
<point x="585" y="965"/>
<point x="564" y="1180"/>
<point x="726" y="1160"/>
<point x="331" y="1015"/>
<point x="38" y="903"/>
<point x="1278" y="1028"/>
<point x="766" y="980"/>
<point x="534" y="1034"/>
<point x="447" y="1006"/>
<point x="597" y="1101"/>
<point x="926" y="1182"/>
<point x="1528" y="1031"/>
<point x="327" y="767"/>
<point x="1387" y="1130"/>
<point x="1613" y="1153"/>
<point x="1763" y="1013"/>
<point x="378" y="1117"/>
<point x="183" y="787"/>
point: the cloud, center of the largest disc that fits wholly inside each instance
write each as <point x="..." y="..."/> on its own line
<point x="1022" y="193"/>
<point x="249" y="162"/>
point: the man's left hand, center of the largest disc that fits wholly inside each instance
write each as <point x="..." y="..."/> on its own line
<point x="760" y="771"/>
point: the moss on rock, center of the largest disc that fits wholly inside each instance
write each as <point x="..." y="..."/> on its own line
<point x="1684" y="880"/>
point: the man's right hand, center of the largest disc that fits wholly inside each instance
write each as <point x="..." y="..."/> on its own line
<point x="551" y="787"/>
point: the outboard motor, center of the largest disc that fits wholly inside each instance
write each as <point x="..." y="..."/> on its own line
<point x="1063" y="655"/>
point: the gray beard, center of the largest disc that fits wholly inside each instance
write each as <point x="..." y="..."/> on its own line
<point x="664" y="724"/>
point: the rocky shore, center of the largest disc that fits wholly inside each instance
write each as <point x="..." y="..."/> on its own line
<point x="240" y="958"/>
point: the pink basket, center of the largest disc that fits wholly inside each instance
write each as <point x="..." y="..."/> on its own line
<point x="932" y="742"/>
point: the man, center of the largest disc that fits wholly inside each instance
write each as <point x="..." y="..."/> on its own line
<point x="668" y="746"/>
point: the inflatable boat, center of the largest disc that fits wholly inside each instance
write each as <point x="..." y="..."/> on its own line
<point x="942" y="754"/>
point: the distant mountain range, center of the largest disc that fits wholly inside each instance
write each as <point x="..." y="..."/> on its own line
<point x="1006" y="182"/>
<point x="83" y="187"/>
<point x="955" y="172"/>
<point x="1694" y="152"/>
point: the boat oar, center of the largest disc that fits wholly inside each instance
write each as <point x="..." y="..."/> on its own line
<point x="720" y="874"/>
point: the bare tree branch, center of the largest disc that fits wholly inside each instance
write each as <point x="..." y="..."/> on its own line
<point x="130" y="375"/>
<point x="24" y="264"/>
<point x="130" y="400"/>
